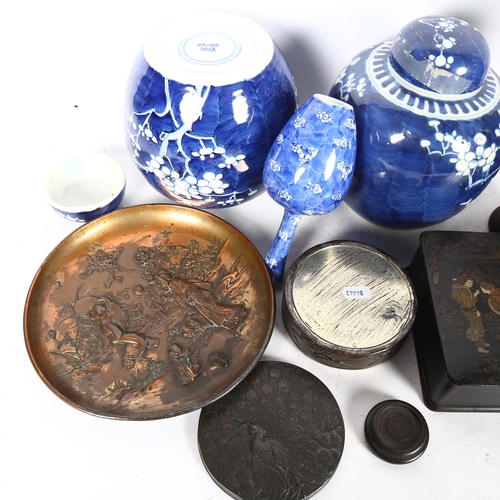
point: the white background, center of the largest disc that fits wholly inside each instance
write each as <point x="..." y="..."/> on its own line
<point x="64" y="71"/>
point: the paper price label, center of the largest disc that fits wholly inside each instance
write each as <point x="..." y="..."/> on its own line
<point x="357" y="292"/>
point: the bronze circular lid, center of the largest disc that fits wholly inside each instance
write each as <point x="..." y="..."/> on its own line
<point x="279" y="434"/>
<point x="350" y="297"/>
<point x="396" y="432"/>
<point x="149" y="312"/>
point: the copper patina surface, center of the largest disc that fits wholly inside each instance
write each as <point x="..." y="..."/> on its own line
<point x="149" y="312"/>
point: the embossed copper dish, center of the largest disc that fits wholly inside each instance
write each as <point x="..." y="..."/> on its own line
<point x="149" y="312"/>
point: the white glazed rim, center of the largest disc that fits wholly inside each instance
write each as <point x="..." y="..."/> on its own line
<point x="209" y="48"/>
<point x="96" y="167"/>
<point x="332" y="101"/>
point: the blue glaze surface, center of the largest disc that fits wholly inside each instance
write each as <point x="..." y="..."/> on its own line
<point x="309" y="168"/>
<point x="205" y="145"/>
<point x="422" y="156"/>
<point x="445" y="55"/>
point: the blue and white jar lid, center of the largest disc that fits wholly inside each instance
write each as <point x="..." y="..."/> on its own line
<point x="406" y="95"/>
<point x="447" y="56"/>
<point x="209" y="48"/>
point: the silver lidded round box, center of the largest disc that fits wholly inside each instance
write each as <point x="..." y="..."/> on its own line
<point x="348" y="304"/>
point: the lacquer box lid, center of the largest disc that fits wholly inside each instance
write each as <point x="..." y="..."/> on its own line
<point x="457" y="329"/>
<point x="348" y="304"/>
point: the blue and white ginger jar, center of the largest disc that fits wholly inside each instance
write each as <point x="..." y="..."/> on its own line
<point x="207" y="97"/>
<point x="428" y="123"/>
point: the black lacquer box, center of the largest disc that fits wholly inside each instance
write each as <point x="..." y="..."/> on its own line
<point x="456" y="276"/>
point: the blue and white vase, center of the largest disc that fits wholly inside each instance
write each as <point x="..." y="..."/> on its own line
<point x="309" y="168"/>
<point x="207" y="97"/>
<point x="427" y="114"/>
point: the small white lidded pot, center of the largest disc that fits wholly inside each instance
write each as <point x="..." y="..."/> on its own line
<point x="84" y="187"/>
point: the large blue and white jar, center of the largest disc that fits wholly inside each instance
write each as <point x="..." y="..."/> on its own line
<point x="428" y="123"/>
<point x="207" y="97"/>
